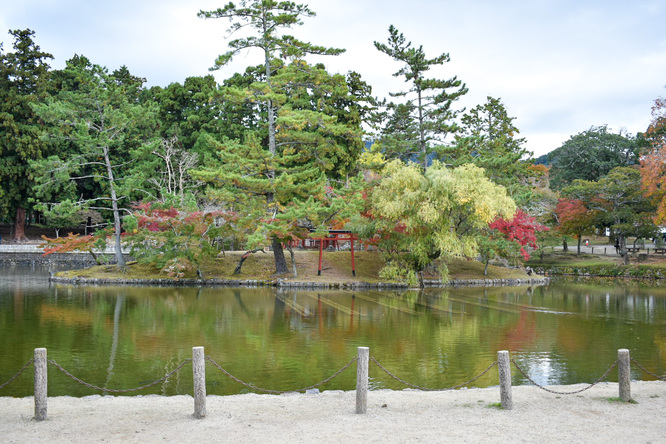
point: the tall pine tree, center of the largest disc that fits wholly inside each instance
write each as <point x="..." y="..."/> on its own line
<point x="278" y="164"/>
<point x="428" y="107"/>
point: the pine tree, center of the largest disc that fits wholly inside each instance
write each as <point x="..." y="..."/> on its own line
<point x="277" y="161"/>
<point x="488" y="138"/>
<point x="429" y="101"/>
<point x="100" y="114"/>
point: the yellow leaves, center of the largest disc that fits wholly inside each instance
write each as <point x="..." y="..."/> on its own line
<point x="441" y="211"/>
<point x="372" y="160"/>
<point x="487" y="199"/>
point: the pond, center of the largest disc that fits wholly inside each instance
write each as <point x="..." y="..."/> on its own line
<point x="124" y="337"/>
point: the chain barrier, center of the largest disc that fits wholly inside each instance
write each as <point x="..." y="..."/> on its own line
<point x="17" y="374"/>
<point x="94" y="387"/>
<point x="254" y="387"/>
<point x="432" y="389"/>
<point x="566" y="393"/>
<point x="279" y="392"/>
<point x="661" y="378"/>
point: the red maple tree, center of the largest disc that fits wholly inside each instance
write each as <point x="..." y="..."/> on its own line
<point x="521" y="229"/>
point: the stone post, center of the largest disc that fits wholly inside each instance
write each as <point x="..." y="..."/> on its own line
<point x="41" y="384"/>
<point x="199" y="376"/>
<point x="624" y="374"/>
<point x="504" y="364"/>
<point x="362" y="379"/>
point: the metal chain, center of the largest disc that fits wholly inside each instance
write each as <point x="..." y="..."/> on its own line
<point x="94" y="387"/>
<point x="661" y="378"/>
<point x="566" y="393"/>
<point x="279" y="392"/>
<point x="432" y="389"/>
<point x="17" y="374"/>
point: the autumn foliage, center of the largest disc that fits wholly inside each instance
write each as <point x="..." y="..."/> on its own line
<point x="653" y="164"/>
<point x="92" y="243"/>
<point x="521" y="229"/>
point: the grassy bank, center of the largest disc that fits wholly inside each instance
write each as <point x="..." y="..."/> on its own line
<point x="336" y="268"/>
<point x="572" y="264"/>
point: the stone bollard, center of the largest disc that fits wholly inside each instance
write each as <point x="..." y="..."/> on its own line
<point x="624" y="374"/>
<point x="363" y="356"/>
<point x="504" y="365"/>
<point x="41" y="384"/>
<point x="199" y="376"/>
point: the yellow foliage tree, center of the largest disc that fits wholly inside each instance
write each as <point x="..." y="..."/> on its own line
<point x="420" y="217"/>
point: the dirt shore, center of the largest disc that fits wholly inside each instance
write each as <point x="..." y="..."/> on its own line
<point x="468" y="415"/>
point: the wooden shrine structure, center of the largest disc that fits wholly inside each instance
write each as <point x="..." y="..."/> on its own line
<point x="333" y="237"/>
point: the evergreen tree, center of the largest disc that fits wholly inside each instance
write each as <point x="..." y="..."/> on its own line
<point x="279" y="195"/>
<point x="267" y="19"/>
<point x="590" y="155"/>
<point x="489" y="139"/>
<point x="428" y="109"/>
<point x="102" y="117"/>
<point x="23" y="80"/>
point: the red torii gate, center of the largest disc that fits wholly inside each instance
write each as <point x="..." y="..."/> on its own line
<point x="334" y="236"/>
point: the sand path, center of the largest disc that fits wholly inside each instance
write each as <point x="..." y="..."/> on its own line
<point x="467" y="415"/>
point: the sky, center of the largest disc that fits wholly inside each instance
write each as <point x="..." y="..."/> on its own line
<point x="559" y="66"/>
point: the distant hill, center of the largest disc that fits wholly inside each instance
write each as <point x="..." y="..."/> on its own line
<point x="544" y="159"/>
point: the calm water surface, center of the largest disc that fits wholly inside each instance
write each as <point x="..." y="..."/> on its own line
<point x="123" y="337"/>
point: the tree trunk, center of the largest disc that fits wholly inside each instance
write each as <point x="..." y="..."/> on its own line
<point x="293" y="261"/>
<point x="19" y="225"/>
<point x="280" y="260"/>
<point x="422" y="141"/>
<point x="247" y="254"/>
<point x="120" y="260"/>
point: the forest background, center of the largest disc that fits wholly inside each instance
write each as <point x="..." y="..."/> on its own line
<point x="286" y="150"/>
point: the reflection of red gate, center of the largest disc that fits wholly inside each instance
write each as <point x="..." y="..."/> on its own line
<point x="332" y="239"/>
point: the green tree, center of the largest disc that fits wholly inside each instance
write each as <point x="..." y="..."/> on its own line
<point x="590" y="155"/>
<point x="619" y="203"/>
<point x="266" y="19"/>
<point x="104" y="120"/>
<point x="189" y="109"/>
<point x="63" y="214"/>
<point x="23" y="80"/>
<point x="428" y="109"/>
<point x="489" y="139"/>
<point x="420" y="217"/>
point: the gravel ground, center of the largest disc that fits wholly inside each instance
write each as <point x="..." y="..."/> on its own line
<point x="467" y="415"/>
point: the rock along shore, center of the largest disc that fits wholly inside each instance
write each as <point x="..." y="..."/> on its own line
<point x="284" y="283"/>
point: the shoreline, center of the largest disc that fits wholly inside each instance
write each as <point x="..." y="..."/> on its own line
<point x="466" y="415"/>
<point x="285" y="283"/>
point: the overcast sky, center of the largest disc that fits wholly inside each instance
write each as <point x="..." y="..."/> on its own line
<point x="559" y="67"/>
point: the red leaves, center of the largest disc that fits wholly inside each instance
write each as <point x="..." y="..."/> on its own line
<point x="521" y="229"/>
<point x="570" y="211"/>
<point x="574" y="217"/>
<point x="156" y="219"/>
<point x="73" y="242"/>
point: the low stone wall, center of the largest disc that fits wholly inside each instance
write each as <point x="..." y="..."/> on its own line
<point x="23" y="257"/>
